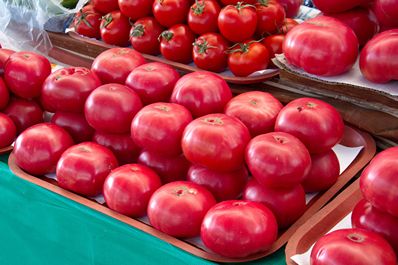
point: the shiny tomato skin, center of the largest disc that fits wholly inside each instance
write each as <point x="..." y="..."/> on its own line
<point x="114" y="65"/>
<point x="178" y="208"/>
<point x="274" y="44"/>
<point x="176" y="43"/>
<point x="128" y="188"/>
<point x="24" y="113"/>
<point x="105" y="6"/>
<point x="153" y="82"/>
<point x="67" y="89"/>
<point x="170" y="12"/>
<point x="158" y="127"/>
<point x="355" y="246"/>
<point x="4" y="94"/>
<point x="386" y="12"/>
<point x="210" y="52"/>
<point x="337" y="6"/>
<point x="25" y="73"/>
<point x="234" y="2"/>
<point x="135" y="9"/>
<point x="115" y="29"/>
<point x="4" y="55"/>
<point x="111" y="108"/>
<point x="88" y="24"/>
<point x="291" y="7"/>
<point x="144" y="35"/>
<point x="316" y="123"/>
<point x="288" y="24"/>
<point x="203" y="15"/>
<point x="270" y="17"/>
<point x="206" y="142"/>
<point x="8" y="131"/>
<point x="247" y="59"/>
<point x="38" y="148"/>
<point x="75" y="124"/>
<point x="227" y="230"/>
<point x="201" y="93"/>
<point x="278" y="160"/>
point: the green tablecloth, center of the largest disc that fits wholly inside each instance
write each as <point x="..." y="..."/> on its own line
<point x="40" y="227"/>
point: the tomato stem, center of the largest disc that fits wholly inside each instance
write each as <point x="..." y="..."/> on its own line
<point x="198" y="8"/>
<point x="138" y="31"/>
<point x="167" y="35"/>
<point x="108" y="19"/>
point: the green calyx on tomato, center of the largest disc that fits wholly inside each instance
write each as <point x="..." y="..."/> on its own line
<point x="108" y="19"/>
<point x="243" y="47"/>
<point x="203" y="46"/>
<point x="167" y="35"/>
<point x="199" y="7"/>
<point x="240" y="5"/>
<point x="138" y="31"/>
<point x="263" y="2"/>
<point x="82" y="18"/>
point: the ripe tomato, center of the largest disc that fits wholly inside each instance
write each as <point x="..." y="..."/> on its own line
<point x="4" y="55"/>
<point x="75" y="124"/>
<point x="114" y="65"/>
<point x="206" y="143"/>
<point x="4" y="94"/>
<point x="24" y="113"/>
<point x="153" y="82"/>
<point x="223" y="185"/>
<point x="242" y="17"/>
<point x="104" y="6"/>
<point x="25" y="73"/>
<point x="256" y="109"/>
<point x="270" y="17"/>
<point x="38" y="148"/>
<point x="128" y="188"/>
<point x="209" y="52"/>
<point x="115" y="29"/>
<point x="278" y="160"/>
<point x="288" y="24"/>
<point x="178" y="208"/>
<point x="67" y="89"/>
<point x="144" y="35"/>
<point x="316" y="123"/>
<point x="386" y="12"/>
<point x="337" y="6"/>
<point x="234" y="2"/>
<point x="227" y="230"/>
<point x="8" y="131"/>
<point x="135" y="9"/>
<point x="88" y="24"/>
<point x="170" y="12"/>
<point x="248" y="58"/>
<point x="355" y="246"/>
<point x="192" y="91"/>
<point x="176" y="43"/>
<point x="291" y="7"/>
<point x="158" y="127"/>
<point x="274" y="44"/>
<point x="336" y="55"/>
<point x="203" y="15"/>
<point x="111" y="108"/>
<point x="83" y="168"/>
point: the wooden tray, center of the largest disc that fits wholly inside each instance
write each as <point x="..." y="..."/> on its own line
<point x="6" y="150"/>
<point x="352" y="138"/>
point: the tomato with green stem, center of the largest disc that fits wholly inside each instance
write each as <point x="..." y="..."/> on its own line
<point x="270" y="17"/>
<point x="135" y="9"/>
<point x="176" y="43"/>
<point x="209" y="52"/>
<point x="202" y="16"/>
<point x="144" y="35"/>
<point x="170" y="12"/>
<point x="115" y="29"/>
<point x="88" y="24"/>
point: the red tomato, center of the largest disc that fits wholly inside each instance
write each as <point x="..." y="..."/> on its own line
<point x="38" y="148"/>
<point x="223" y="185"/>
<point x="144" y="35"/>
<point x="104" y="6"/>
<point x="270" y="17"/>
<point x="128" y="188"/>
<point x="291" y="7"/>
<point x="4" y="55"/>
<point x="135" y="9"/>
<point x="192" y="91"/>
<point x="379" y="184"/>
<point x="209" y="52"/>
<point x="170" y="12"/>
<point x="176" y="43"/>
<point x="274" y="44"/>
<point x="24" y="113"/>
<point x="379" y="58"/>
<point x="237" y="229"/>
<point x="336" y="55"/>
<point x="288" y="24"/>
<point x="158" y="127"/>
<point x="67" y="89"/>
<point x="4" y="94"/>
<point x="178" y="208"/>
<point x="25" y="73"/>
<point x="75" y="124"/>
<point x="352" y="246"/>
<point x="8" y="131"/>
<point x="203" y="15"/>
<point x="386" y="12"/>
<point x="83" y="168"/>
<point x="234" y="2"/>
<point x="111" y="108"/>
<point x="237" y="23"/>
<point x="216" y="141"/>
<point x="169" y="168"/>
<point x="114" y="65"/>
<point x="316" y="123"/>
<point x="115" y="29"/>
<point x="337" y="6"/>
<point x="88" y="24"/>
<point x="256" y="109"/>
<point x="153" y="82"/>
<point x="88" y="8"/>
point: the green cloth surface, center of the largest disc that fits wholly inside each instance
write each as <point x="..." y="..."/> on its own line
<point x="40" y="227"/>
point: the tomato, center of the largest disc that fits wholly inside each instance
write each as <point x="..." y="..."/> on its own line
<point x="88" y="24"/>
<point x="170" y="12"/>
<point x="274" y="44"/>
<point x="153" y="82"/>
<point x="256" y="109"/>
<point x="25" y="73"/>
<point x="270" y="17"/>
<point x="288" y="24"/>
<point x="378" y="59"/>
<point x="291" y="7"/>
<point x="379" y="184"/>
<point x="114" y="65"/>
<point x="38" y="148"/>
<point x="238" y="229"/>
<point x="206" y="142"/>
<point x="203" y="15"/>
<point x="158" y="127"/>
<point x="316" y="123"/>
<point x="4" y="94"/>
<point x="24" y="113"/>
<point x="223" y="185"/>
<point x="192" y="91"/>
<point x="144" y="35"/>
<point x="178" y="208"/>
<point x="234" y="2"/>
<point x="4" y="55"/>
<point x="337" y="6"/>
<point x="88" y="8"/>
<point x="210" y="52"/>
<point x="248" y="58"/>
<point x="169" y="168"/>
<point x="176" y="43"/>
<point x="75" y="124"/>
<point x="358" y="246"/>
<point x="83" y="168"/>
<point x="128" y="188"/>
<point x="115" y="29"/>
<point x="67" y="89"/>
<point x="242" y="17"/>
<point x="104" y="6"/>
<point x="386" y="12"/>
<point x="135" y="9"/>
<point x="8" y="131"/>
<point x="336" y="55"/>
